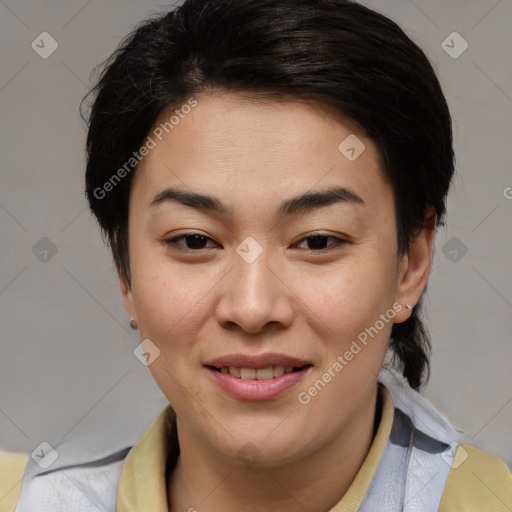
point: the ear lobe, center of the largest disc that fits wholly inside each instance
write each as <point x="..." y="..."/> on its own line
<point x="126" y="293"/>
<point x="414" y="267"/>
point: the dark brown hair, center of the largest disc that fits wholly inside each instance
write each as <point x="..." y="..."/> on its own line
<point x="337" y="52"/>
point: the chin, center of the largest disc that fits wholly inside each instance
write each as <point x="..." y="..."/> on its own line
<point x="260" y="446"/>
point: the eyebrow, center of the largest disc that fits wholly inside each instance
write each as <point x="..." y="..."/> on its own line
<point x="295" y="205"/>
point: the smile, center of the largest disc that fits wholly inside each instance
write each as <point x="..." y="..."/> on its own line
<point x="257" y="384"/>
<point x="258" y="374"/>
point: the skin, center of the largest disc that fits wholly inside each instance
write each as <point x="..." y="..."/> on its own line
<point x="196" y="306"/>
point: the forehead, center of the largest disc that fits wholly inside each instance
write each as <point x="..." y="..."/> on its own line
<point x="257" y="151"/>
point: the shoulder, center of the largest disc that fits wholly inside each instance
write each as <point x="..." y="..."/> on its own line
<point x="76" y="487"/>
<point x="72" y="487"/>
<point x="12" y="469"/>
<point x="25" y="485"/>
<point x="91" y="486"/>
<point x="82" y="470"/>
<point x="477" y="481"/>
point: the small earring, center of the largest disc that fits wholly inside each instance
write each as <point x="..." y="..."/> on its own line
<point x="134" y="324"/>
<point x="409" y="307"/>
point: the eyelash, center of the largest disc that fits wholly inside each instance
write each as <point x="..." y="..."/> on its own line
<point x="174" y="242"/>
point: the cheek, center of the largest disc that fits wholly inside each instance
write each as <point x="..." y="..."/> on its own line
<point x="348" y="297"/>
<point x="169" y="297"/>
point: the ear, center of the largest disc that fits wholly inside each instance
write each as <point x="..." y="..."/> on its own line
<point x="126" y="293"/>
<point x="414" y="268"/>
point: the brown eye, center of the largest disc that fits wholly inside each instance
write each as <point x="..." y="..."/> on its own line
<point x="193" y="241"/>
<point x="319" y="242"/>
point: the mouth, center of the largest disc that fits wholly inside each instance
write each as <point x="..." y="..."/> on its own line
<point x="263" y="376"/>
<point x="259" y="382"/>
<point x="270" y="372"/>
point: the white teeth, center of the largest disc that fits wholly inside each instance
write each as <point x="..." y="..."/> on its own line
<point x="278" y="371"/>
<point x="247" y="373"/>
<point x="260" y="374"/>
<point x="265" y="373"/>
<point x="234" y="371"/>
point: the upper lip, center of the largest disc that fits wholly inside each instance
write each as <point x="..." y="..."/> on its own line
<point x="256" y="361"/>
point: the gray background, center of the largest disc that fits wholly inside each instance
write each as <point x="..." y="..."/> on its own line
<point x="67" y="351"/>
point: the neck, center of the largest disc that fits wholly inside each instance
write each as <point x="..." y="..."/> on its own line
<point x="201" y="481"/>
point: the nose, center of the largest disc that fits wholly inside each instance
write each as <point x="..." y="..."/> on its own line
<point x="255" y="296"/>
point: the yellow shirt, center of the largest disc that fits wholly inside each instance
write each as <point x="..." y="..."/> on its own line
<point x="477" y="481"/>
<point x="12" y="466"/>
<point x="480" y="483"/>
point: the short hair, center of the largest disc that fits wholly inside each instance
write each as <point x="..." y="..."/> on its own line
<point x="338" y="53"/>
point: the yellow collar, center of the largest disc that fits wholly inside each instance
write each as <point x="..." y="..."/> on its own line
<point x="143" y="480"/>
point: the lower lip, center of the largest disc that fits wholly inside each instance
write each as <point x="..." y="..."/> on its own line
<point x="253" y="389"/>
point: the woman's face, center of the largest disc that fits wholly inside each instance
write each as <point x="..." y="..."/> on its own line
<point x="259" y="288"/>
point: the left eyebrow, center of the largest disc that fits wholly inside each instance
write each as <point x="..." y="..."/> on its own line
<point x="313" y="200"/>
<point x="295" y="205"/>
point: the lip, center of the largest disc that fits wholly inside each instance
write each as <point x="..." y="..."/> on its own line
<point x="253" y="389"/>
<point x="256" y="361"/>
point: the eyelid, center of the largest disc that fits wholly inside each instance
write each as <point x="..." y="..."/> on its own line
<point x="168" y="242"/>
<point x="339" y="241"/>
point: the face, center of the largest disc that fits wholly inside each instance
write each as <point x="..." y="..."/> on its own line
<point x="262" y="276"/>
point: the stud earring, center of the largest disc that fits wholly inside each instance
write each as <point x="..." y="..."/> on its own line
<point x="134" y="324"/>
